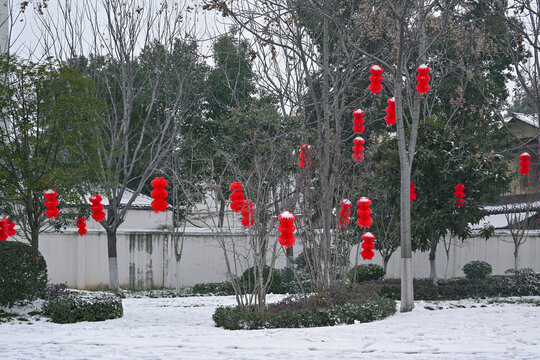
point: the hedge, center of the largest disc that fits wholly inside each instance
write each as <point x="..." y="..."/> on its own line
<point x="23" y="273"/>
<point x="78" y="306"/>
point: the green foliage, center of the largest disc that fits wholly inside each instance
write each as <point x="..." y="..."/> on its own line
<point x="53" y="291"/>
<point x="23" y="273"/>
<point x="366" y="272"/>
<point x="236" y="318"/>
<point x="47" y="137"/>
<point x="477" y="269"/>
<point x="277" y="283"/>
<point x="463" y="288"/>
<point x="77" y="306"/>
<point x="218" y="289"/>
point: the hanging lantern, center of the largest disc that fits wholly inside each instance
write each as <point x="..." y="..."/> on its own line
<point x="524" y="163"/>
<point x="413" y="192"/>
<point x="81" y="224"/>
<point x="97" y="208"/>
<point x="459" y="194"/>
<point x="423" y="79"/>
<point x="159" y="194"/>
<point x="368" y="246"/>
<point x="237" y="196"/>
<point x="305" y="155"/>
<point x="51" y="203"/>
<point x="10" y="229"/>
<point x="358" y="121"/>
<point x="376" y="79"/>
<point x="364" y="212"/>
<point x="3" y="229"/>
<point x="286" y="228"/>
<point x="390" y="117"/>
<point x="248" y="213"/>
<point x="358" y="149"/>
<point x="344" y="212"/>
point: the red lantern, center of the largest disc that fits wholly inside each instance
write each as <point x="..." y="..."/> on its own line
<point x="10" y="228"/>
<point x="368" y="246"/>
<point x="344" y="212"/>
<point x="3" y="229"/>
<point x="159" y="194"/>
<point x="248" y="213"/>
<point x="81" y="224"/>
<point x="459" y="194"/>
<point x="286" y="228"/>
<point x="364" y="212"/>
<point x="97" y="208"/>
<point x="413" y="192"/>
<point x="358" y="149"/>
<point x="376" y="79"/>
<point x="51" y="203"/>
<point x="304" y="155"/>
<point x="423" y="79"/>
<point x="390" y="117"/>
<point x="524" y="163"/>
<point x="237" y="196"/>
<point x="358" y="121"/>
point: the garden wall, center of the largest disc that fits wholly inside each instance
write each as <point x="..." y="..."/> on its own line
<point x="146" y="258"/>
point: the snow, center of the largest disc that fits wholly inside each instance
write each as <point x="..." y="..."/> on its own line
<point x="364" y="199"/>
<point x="368" y="235"/>
<point x="182" y="328"/>
<point x="525" y="154"/>
<point x="392" y="99"/>
<point x="498" y="221"/>
<point x="376" y="68"/>
<point x="359" y="138"/>
<point x="287" y="215"/>
<point x="527" y="119"/>
<point x="423" y="66"/>
<point x="50" y="191"/>
<point x="358" y="111"/>
<point x="346" y="201"/>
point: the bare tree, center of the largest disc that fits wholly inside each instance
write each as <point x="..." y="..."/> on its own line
<point x="146" y="95"/>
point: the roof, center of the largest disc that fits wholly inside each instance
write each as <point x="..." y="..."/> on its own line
<point x="528" y="119"/>
<point x="141" y="201"/>
<point x="498" y="221"/>
<point x="515" y="203"/>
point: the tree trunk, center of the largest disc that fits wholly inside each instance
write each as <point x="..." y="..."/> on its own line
<point x="386" y="259"/>
<point x="113" y="261"/>
<point x="221" y="213"/>
<point x="432" y="262"/>
<point x="290" y="258"/>
<point x="516" y="257"/>
<point x="34" y="241"/>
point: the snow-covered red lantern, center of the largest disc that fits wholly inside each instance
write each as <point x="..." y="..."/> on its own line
<point x="376" y="79"/>
<point x="524" y="163"/>
<point x="390" y="117"/>
<point x="413" y="192"/>
<point x="97" y="208"/>
<point x="305" y="155"/>
<point x="51" y="203"/>
<point x="358" y="149"/>
<point x="286" y="228"/>
<point x="368" y="246"/>
<point x="81" y="224"/>
<point x="423" y="78"/>
<point x="459" y="194"/>
<point x="159" y="194"/>
<point x="237" y="196"/>
<point x="248" y="213"/>
<point x="344" y="212"/>
<point x="364" y="212"/>
<point x="3" y="229"/>
<point x="358" y="121"/>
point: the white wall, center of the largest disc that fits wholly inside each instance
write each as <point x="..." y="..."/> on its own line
<point x="146" y="258"/>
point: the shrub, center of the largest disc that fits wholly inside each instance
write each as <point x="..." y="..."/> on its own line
<point x="23" y="273"/>
<point x="477" y="269"/>
<point x="526" y="284"/>
<point x="366" y="272"/>
<point x="236" y="318"/>
<point x="221" y="288"/>
<point x="83" y="306"/>
<point x="53" y="291"/>
<point x="278" y="285"/>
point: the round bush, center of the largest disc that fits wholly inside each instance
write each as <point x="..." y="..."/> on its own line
<point x="477" y="269"/>
<point x="277" y="285"/>
<point x="366" y="272"/>
<point x="23" y="273"/>
<point x="83" y="306"/>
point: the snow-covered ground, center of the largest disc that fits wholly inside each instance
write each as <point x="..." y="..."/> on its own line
<point x="182" y="328"/>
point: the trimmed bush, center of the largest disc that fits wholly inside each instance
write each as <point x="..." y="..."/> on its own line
<point x="53" y="291"/>
<point x="23" y="273"/>
<point x="477" y="269"/>
<point x="220" y="289"/>
<point x="366" y="272"/>
<point x="235" y="318"/>
<point x="83" y="306"/>
<point x="462" y="288"/>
